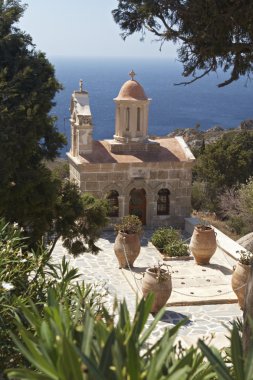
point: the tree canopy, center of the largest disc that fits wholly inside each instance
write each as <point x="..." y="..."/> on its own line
<point x="29" y="194"/>
<point x="28" y="134"/>
<point x="212" y="34"/>
<point x="227" y="162"/>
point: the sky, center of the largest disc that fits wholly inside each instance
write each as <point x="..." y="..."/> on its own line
<point x="84" y="28"/>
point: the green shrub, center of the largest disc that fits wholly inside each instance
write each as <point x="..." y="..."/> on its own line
<point x="176" y="248"/>
<point x="202" y="196"/>
<point x="59" y="344"/>
<point x="64" y="346"/>
<point x="25" y="276"/>
<point x="164" y="236"/>
<point x="237" y="225"/>
<point x="130" y="224"/>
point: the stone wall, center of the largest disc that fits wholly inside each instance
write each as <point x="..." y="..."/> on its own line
<point x="99" y="179"/>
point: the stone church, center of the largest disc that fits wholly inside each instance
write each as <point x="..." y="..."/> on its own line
<point x="150" y="178"/>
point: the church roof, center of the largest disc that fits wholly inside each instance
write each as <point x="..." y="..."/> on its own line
<point x="131" y="90"/>
<point x="171" y="149"/>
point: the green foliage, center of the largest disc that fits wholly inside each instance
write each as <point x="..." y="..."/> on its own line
<point x="246" y="203"/>
<point x="25" y="276"/>
<point x="63" y="346"/>
<point x="169" y="242"/>
<point x="130" y="224"/>
<point x="40" y="201"/>
<point x="164" y="236"/>
<point x="236" y="365"/>
<point x="237" y="225"/>
<point x="223" y="165"/>
<point x="201" y="196"/>
<point x="176" y="249"/>
<point x="21" y="278"/>
<point x="28" y="134"/>
<point x="227" y="162"/>
<point x="216" y="35"/>
<point x="60" y="169"/>
<point x="236" y="204"/>
<point x="79" y="219"/>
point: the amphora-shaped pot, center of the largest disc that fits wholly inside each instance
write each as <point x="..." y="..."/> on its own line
<point x="127" y="248"/>
<point x="203" y="244"/>
<point x="158" y="284"/>
<point x="239" y="281"/>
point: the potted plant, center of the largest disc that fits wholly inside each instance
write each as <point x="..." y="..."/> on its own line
<point x="157" y="280"/>
<point x="241" y="274"/>
<point x="203" y="243"/>
<point x="127" y="244"/>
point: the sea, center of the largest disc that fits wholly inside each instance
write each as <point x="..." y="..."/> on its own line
<point x="172" y="106"/>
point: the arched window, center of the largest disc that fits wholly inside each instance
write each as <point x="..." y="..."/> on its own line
<point x="127" y="119"/>
<point x="113" y="200"/>
<point x="138" y="119"/>
<point x="163" y="202"/>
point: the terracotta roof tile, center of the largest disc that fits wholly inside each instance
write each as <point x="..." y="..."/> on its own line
<point x="170" y="150"/>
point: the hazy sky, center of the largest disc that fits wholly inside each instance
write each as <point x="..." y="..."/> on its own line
<point x="84" y="28"/>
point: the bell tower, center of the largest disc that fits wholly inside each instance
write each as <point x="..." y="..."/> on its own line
<point x="81" y="123"/>
<point x="132" y="106"/>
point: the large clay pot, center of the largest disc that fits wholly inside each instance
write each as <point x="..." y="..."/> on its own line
<point x="203" y="244"/>
<point x="161" y="288"/>
<point x="127" y="248"/>
<point x="239" y="281"/>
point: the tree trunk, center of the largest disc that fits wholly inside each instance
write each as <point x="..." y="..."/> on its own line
<point x="248" y="313"/>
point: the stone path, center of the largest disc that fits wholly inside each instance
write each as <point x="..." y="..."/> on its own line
<point x="203" y="320"/>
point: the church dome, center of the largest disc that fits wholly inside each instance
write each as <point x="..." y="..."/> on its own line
<point x="131" y="90"/>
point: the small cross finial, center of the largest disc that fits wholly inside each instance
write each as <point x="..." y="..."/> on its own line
<point x="132" y="74"/>
<point x="81" y="85"/>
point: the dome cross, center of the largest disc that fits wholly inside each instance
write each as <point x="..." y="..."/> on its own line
<point x="132" y="74"/>
<point x="81" y="85"/>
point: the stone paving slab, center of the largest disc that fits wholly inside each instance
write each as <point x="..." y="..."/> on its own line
<point x="192" y="284"/>
<point x="203" y="320"/>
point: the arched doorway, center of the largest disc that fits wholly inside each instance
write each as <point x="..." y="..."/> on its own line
<point x="137" y="204"/>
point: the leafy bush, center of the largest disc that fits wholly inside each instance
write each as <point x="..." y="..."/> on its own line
<point x="246" y="203"/>
<point x="130" y="224"/>
<point x="176" y="248"/>
<point x="79" y="219"/>
<point x="65" y="346"/>
<point x="164" y="236"/>
<point x="64" y="331"/>
<point x="237" y="225"/>
<point x="226" y="162"/>
<point x="62" y="344"/>
<point x="202" y="197"/>
<point x="25" y="276"/>
<point x="236" y="204"/>
<point x="234" y="363"/>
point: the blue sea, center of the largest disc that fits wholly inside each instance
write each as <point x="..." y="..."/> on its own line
<point x="171" y="107"/>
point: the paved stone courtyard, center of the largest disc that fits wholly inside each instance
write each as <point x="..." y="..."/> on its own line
<point x="203" y="319"/>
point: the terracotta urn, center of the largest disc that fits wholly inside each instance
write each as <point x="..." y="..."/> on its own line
<point x="239" y="281"/>
<point x="203" y="244"/>
<point x="127" y="248"/>
<point x="160" y="287"/>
